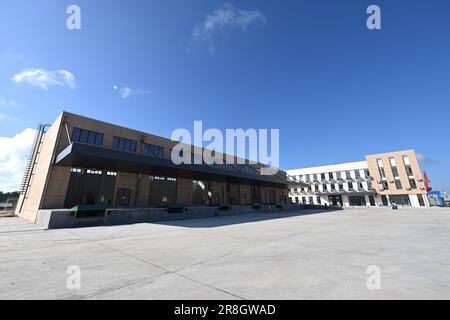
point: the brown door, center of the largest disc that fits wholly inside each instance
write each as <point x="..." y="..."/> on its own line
<point x="123" y="197"/>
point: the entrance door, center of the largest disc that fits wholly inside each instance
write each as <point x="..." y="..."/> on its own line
<point x="421" y="201"/>
<point x="272" y="197"/>
<point x="372" y="201"/>
<point x="402" y="200"/>
<point x="335" y="201"/>
<point x="385" y="201"/>
<point x="90" y="187"/>
<point x="357" y="201"/>
<point x="123" y="197"/>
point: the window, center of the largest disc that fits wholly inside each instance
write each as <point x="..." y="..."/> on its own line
<point x="412" y="184"/>
<point x="408" y="168"/>
<point x="319" y="201"/>
<point x="350" y="187"/>
<point x="357" y="174"/>
<point x="112" y="174"/>
<point x="348" y="176"/>
<point x="323" y="176"/>
<point x="369" y="186"/>
<point x="330" y="176"/>
<point x="409" y="171"/>
<point x="154" y="151"/>
<point x="95" y="172"/>
<point x="394" y="167"/>
<point x="249" y="170"/>
<point x="381" y="168"/>
<point x="76" y="170"/>
<point x="325" y="188"/>
<point x="385" y="185"/>
<point x="124" y="144"/>
<point x="406" y="160"/>
<point x="341" y="187"/>
<point x="86" y="136"/>
<point x="333" y="187"/>
<point x="398" y="184"/>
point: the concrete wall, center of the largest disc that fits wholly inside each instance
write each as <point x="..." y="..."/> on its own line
<point x="59" y="219"/>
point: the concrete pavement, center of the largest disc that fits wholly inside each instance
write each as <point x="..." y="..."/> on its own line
<point x="257" y="256"/>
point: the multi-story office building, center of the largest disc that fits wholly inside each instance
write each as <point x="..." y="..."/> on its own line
<point x="380" y="180"/>
<point x="82" y="161"/>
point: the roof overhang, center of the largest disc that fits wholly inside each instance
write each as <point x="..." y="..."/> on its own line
<point x="78" y="155"/>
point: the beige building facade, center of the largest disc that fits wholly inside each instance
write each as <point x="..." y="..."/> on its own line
<point x="398" y="177"/>
<point x="380" y="180"/>
<point x="82" y="161"/>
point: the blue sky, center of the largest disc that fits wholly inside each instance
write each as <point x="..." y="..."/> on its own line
<point x="312" y="69"/>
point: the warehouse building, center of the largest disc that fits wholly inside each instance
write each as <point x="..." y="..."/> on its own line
<point x="81" y="161"/>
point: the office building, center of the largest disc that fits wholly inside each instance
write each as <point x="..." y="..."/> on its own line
<point x="380" y="180"/>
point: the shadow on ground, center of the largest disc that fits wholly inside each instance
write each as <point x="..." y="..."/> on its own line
<point x="221" y="221"/>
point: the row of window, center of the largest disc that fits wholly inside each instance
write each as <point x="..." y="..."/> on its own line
<point x="306" y="201"/>
<point x="123" y="144"/>
<point x="114" y="174"/>
<point x="243" y="168"/>
<point x="395" y="173"/>
<point x="333" y="188"/>
<point x="93" y="172"/>
<point x="331" y="176"/>
<point x="96" y="138"/>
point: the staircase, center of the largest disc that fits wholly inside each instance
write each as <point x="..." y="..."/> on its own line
<point x="31" y="162"/>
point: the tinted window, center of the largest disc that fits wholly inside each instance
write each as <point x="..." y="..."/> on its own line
<point x="86" y="136"/>
<point x="124" y="144"/>
<point x="154" y="151"/>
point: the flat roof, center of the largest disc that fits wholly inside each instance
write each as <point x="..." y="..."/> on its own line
<point x="89" y="156"/>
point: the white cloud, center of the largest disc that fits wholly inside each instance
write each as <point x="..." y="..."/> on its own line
<point x="426" y="160"/>
<point x="126" y="92"/>
<point x="226" y="17"/>
<point x="13" y="156"/>
<point x="45" y="79"/>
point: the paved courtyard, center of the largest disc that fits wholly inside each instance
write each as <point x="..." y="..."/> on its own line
<point x="260" y="256"/>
